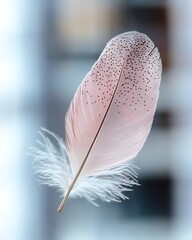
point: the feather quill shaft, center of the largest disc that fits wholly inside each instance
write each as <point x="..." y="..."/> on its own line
<point x="106" y="125"/>
<point x="84" y="161"/>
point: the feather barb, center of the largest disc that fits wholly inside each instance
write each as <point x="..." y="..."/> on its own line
<point x="106" y="125"/>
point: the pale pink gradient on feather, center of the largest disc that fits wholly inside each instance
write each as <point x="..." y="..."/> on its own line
<point x="126" y="77"/>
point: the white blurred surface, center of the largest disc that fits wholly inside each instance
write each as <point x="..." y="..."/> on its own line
<point x="27" y="211"/>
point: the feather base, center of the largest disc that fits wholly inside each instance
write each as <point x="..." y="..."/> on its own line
<point x="53" y="168"/>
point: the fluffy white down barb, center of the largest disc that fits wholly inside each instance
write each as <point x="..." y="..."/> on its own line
<point x="53" y="168"/>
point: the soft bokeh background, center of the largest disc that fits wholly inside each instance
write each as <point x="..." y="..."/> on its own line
<point x="46" y="48"/>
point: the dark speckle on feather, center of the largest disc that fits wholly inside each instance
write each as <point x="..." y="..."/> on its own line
<point x="124" y="73"/>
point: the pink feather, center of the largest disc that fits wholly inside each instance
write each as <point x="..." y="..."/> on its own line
<point x="109" y="119"/>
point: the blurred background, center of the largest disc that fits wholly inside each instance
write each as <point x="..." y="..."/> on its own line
<point x="46" y="48"/>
